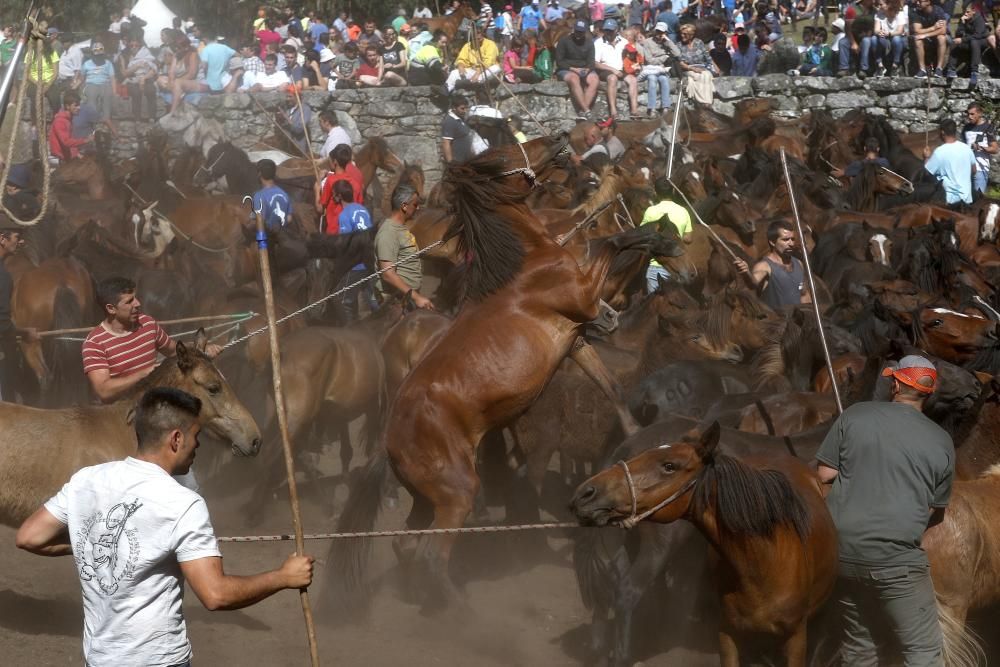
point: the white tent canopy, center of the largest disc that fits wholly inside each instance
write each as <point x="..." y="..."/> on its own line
<point x="157" y="17"/>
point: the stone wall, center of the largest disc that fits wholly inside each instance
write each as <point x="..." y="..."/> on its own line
<point x="410" y="121"/>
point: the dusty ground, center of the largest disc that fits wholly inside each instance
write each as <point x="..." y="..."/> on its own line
<point x="524" y="610"/>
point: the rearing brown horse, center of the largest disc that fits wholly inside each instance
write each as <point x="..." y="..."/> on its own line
<point x="525" y="301"/>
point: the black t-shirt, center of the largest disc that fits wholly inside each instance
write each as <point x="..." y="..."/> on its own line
<point x="454" y="128"/>
<point x="722" y="60"/>
<point x="569" y="54"/>
<point x="928" y="20"/>
<point x="390" y="54"/>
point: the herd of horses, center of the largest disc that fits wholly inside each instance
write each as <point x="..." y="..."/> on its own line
<point x="690" y="401"/>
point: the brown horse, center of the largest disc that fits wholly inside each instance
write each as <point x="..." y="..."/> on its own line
<point x="406" y="343"/>
<point x="411" y="175"/>
<point x="57" y="294"/>
<point x="451" y="23"/>
<point x="773" y="542"/>
<point x="86" y="172"/>
<point x="950" y="335"/>
<point x="525" y="301"/>
<point x="41" y="449"/>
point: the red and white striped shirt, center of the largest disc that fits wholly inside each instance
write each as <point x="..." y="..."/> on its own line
<point x="124" y="353"/>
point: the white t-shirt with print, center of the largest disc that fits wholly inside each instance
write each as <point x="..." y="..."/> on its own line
<point x="131" y="525"/>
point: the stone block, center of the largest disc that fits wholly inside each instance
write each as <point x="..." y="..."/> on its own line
<point x="552" y="88"/>
<point x="908" y="114"/>
<point x="420" y="149"/>
<point x="732" y="87"/>
<point x="390" y="109"/>
<point x="772" y="83"/>
<point x="238" y="101"/>
<point x="898" y="84"/>
<point x="914" y="99"/>
<point x="898" y="125"/>
<point x="785" y="103"/>
<point x="813" y="101"/>
<point x="924" y="127"/>
<point x="725" y="108"/>
<point x="989" y="88"/>
<point x="849" y="101"/>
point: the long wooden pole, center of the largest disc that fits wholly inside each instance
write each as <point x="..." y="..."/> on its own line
<point x="812" y="283"/>
<point x="305" y="129"/>
<point x="286" y="444"/>
<point x="673" y="129"/>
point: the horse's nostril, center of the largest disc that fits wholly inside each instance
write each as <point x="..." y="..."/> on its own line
<point x="255" y="445"/>
<point x="586" y="494"/>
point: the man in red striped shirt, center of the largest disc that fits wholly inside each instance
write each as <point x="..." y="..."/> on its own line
<point x="122" y="349"/>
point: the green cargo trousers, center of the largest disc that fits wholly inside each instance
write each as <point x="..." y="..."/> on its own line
<point x="900" y="597"/>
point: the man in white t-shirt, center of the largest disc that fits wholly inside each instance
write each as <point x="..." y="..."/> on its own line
<point x="335" y="134"/>
<point x="272" y="77"/>
<point x="137" y="535"/>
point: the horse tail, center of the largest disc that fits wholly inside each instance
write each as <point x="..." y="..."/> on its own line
<point x="765" y="415"/>
<point x="373" y="420"/>
<point x="350" y="557"/>
<point x="65" y="359"/>
<point x="960" y="645"/>
<point x="592" y="564"/>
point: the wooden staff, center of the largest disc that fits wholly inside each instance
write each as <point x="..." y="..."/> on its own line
<point x="286" y="444"/>
<point x="305" y="128"/>
<point x="812" y="283"/>
<point x="673" y="128"/>
<point x="927" y="110"/>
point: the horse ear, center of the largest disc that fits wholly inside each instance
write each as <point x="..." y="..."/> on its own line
<point x="984" y="378"/>
<point x="130" y="416"/>
<point x="865" y="226"/>
<point x="709" y="441"/>
<point x="904" y="318"/>
<point x="185" y="360"/>
<point x="661" y="284"/>
<point x="200" y="339"/>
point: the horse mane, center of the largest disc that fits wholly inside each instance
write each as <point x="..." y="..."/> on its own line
<point x="861" y="194"/>
<point x="375" y="144"/>
<point x="610" y="180"/>
<point x="717" y="321"/>
<point x="748" y="501"/>
<point x="768" y="365"/>
<point x="494" y="249"/>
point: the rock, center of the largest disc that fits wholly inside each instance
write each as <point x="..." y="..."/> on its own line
<point x="416" y="149"/>
<point x="848" y="101"/>
<point x="908" y="114"/>
<point x="785" y="103"/>
<point x="238" y="101"/>
<point x="772" y="83"/>
<point x="390" y="109"/>
<point x="899" y="84"/>
<point x="347" y="122"/>
<point x="921" y="99"/>
<point x="725" y="108"/>
<point x="924" y="127"/>
<point x="899" y="126"/>
<point x="732" y="87"/>
<point x="813" y="101"/>
<point x="783" y="56"/>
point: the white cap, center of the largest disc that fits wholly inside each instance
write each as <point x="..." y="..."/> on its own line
<point x="838" y="24"/>
<point x="660" y="27"/>
<point x="326" y="55"/>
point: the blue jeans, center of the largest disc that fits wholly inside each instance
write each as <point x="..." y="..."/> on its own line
<point x="869" y="47"/>
<point x="661" y="82"/>
<point x="899" y="43"/>
<point x="981" y="180"/>
<point x="653" y="274"/>
<point x="844" y="56"/>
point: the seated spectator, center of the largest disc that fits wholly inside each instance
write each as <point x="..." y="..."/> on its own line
<point x="575" y="67"/>
<point x="251" y="63"/>
<point x="346" y="67"/>
<point x="137" y="68"/>
<point x="841" y="46"/>
<point x="394" y="53"/>
<point x="513" y="71"/>
<point x="770" y="20"/>
<point x="370" y="36"/>
<point x="272" y="78"/>
<point x="970" y="38"/>
<point x="818" y="59"/>
<point x="290" y="65"/>
<point x="608" y="51"/>
<point x="697" y="66"/>
<point x="861" y="34"/>
<point x="892" y="25"/>
<point x="427" y="65"/>
<point x="372" y="72"/>
<point x="720" y="55"/>
<point x="929" y="27"/>
<point x="475" y="64"/>
<point x="232" y="79"/>
<point x="543" y="65"/>
<point x="745" y="58"/>
<point x="658" y="52"/>
<point x="98" y="75"/>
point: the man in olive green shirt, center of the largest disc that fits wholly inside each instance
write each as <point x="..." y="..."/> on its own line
<point x="891" y="470"/>
<point x="394" y="243"/>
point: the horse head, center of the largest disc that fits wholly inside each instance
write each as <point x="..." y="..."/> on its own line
<point x="988" y="223"/>
<point x="657" y="483"/>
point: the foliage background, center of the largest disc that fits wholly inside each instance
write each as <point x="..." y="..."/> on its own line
<point x="227" y="17"/>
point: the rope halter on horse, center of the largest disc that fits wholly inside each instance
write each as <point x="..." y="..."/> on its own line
<point x="635" y="518"/>
<point x="528" y="172"/>
<point x="210" y="170"/>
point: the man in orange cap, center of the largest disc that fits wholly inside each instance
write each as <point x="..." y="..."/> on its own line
<point x="891" y="470"/>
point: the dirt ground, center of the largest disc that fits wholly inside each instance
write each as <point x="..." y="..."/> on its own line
<point x="524" y="610"/>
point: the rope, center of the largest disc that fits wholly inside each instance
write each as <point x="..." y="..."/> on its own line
<point x="184" y="320"/>
<point x="178" y="230"/>
<point x="230" y="326"/>
<point x="332" y="295"/>
<point x="697" y="217"/>
<point x="404" y="533"/>
<point x="42" y="134"/>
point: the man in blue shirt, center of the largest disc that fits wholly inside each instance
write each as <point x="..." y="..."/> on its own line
<point x="354" y="218"/>
<point x="954" y="164"/>
<point x="530" y="18"/>
<point x="745" y="57"/>
<point x="554" y="12"/>
<point x="271" y="201"/>
<point x="317" y="28"/>
<point x="215" y="56"/>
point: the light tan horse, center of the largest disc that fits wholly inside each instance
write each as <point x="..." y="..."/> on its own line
<point x="41" y="449"/>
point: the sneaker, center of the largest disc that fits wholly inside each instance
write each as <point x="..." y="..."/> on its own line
<point x="921" y="74"/>
<point x="792" y="72"/>
<point x="950" y="74"/>
<point x="842" y="73"/>
<point x="862" y="75"/>
<point x="937" y="72"/>
<point x="880" y="71"/>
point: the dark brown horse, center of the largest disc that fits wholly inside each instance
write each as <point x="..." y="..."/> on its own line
<point x="41" y="449"/>
<point x="773" y="543"/>
<point x="525" y="301"/>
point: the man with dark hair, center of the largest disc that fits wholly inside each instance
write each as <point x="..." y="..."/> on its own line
<point x="353" y="218"/>
<point x="872" y="149"/>
<point x="62" y="144"/>
<point x="981" y="137"/>
<point x="459" y="142"/>
<point x="341" y="168"/>
<point x="779" y="276"/>
<point x="929" y="27"/>
<point x="891" y="471"/>
<point x="335" y="134"/>
<point x="394" y="242"/>
<point x="954" y="164"/>
<point x="10" y="243"/>
<point x="273" y="203"/>
<point x="575" y="67"/>
<point x="137" y="536"/>
<point x="970" y="37"/>
<point x="121" y="350"/>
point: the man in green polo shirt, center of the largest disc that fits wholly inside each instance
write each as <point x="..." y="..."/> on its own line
<point x="394" y="243"/>
<point x="891" y="470"/>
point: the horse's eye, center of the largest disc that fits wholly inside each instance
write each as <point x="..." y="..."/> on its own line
<point x="937" y="323"/>
<point x="214" y="389"/>
<point x="695" y="338"/>
<point x="669" y="467"/>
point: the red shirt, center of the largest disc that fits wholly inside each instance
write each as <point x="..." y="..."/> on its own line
<point x="266" y="37"/>
<point x="367" y="70"/>
<point x="125" y="353"/>
<point x="62" y="144"/>
<point x="333" y="208"/>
